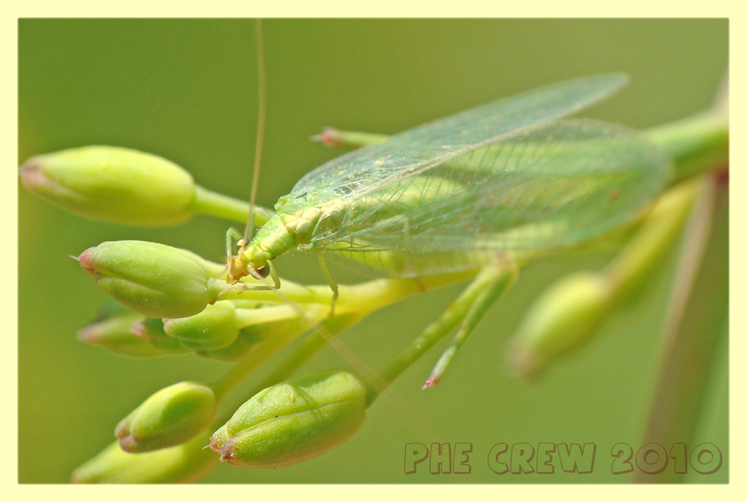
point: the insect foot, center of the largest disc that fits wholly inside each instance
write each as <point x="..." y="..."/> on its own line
<point x="293" y="421"/>
<point x="113" y="184"/>
<point x="169" y="417"/>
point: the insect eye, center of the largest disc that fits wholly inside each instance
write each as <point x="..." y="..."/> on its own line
<point x="262" y="271"/>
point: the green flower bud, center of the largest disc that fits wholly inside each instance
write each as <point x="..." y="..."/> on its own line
<point x="253" y="334"/>
<point x="120" y="330"/>
<point x="293" y="421"/>
<point x="152" y="279"/>
<point x="151" y="330"/>
<point x="213" y="328"/>
<point x="169" y="417"/>
<point x="112" y="330"/>
<point x="113" y="184"/>
<point x="562" y="319"/>
<point x="185" y="463"/>
<point x="234" y="352"/>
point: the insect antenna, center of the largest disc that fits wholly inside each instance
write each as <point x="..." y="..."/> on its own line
<point x="411" y="417"/>
<point x="249" y="230"/>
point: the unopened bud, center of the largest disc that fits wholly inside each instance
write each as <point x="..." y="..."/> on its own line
<point x="184" y="463"/>
<point x="234" y="352"/>
<point x="563" y="318"/>
<point x="169" y="417"/>
<point x="293" y="421"/>
<point x="152" y="279"/>
<point x="114" y="329"/>
<point x="213" y="328"/>
<point x="151" y="330"/>
<point x="113" y="184"/>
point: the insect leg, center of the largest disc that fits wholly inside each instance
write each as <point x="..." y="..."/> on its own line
<point x="232" y="235"/>
<point x="242" y="287"/>
<point x="496" y="280"/>
<point x="331" y="282"/>
<point x="274" y="275"/>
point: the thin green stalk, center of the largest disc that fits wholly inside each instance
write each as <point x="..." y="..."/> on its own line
<point x="222" y="206"/>
<point x="502" y="281"/>
<point x="659" y="229"/>
<point x="435" y="331"/>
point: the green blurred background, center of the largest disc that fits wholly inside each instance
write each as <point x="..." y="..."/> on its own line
<point x="186" y="90"/>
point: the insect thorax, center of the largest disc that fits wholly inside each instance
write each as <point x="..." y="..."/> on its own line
<point x="292" y="227"/>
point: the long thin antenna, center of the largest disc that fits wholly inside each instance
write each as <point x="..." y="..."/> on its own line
<point x="372" y="376"/>
<point x="249" y="230"/>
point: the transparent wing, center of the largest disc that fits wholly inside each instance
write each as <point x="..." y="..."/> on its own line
<point x="545" y="189"/>
<point x="419" y="149"/>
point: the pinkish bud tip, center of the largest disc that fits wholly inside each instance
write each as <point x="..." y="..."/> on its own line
<point x="214" y="445"/>
<point x="86" y="261"/>
<point x="138" y="329"/>
<point x="328" y="137"/>
<point x="227" y="453"/>
<point x="128" y="444"/>
<point x="522" y="364"/>
<point x="32" y="176"/>
<point x="431" y="382"/>
<point x="122" y="430"/>
<point x="86" y="334"/>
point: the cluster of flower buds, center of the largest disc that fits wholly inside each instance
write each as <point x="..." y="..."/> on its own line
<point x="282" y="425"/>
<point x="166" y="302"/>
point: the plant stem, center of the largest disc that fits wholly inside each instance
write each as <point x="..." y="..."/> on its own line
<point x="697" y="144"/>
<point x="649" y="244"/>
<point x="306" y="349"/>
<point x="440" y="327"/>
<point x="222" y="206"/>
<point x="354" y="303"/>
<point x="271" y="345"/>
<point x="697" y="312"/>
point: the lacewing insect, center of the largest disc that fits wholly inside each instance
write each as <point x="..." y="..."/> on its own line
<point x="510" y="178"/>
<point x="481" y="192"/>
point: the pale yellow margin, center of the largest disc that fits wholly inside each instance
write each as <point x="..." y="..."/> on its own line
<point x="380" y="8"/>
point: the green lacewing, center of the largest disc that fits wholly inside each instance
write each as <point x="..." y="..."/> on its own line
<point x="513" y="177"/>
